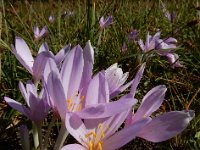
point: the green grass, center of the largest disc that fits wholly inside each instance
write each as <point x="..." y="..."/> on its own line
<point x="19" y="18"/>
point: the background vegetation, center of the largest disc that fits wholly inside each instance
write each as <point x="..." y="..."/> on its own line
<point x="19" y="17"/>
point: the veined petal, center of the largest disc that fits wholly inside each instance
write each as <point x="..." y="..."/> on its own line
<point x="76" y="127"/>
<point x="39" y="64"/>
<point x="43" y="48"/>
<point x="141" y="44"/>
<point x="151" y="102"/>
<point x="23" y="54"/>
<point x="88" y="55"/>
<point x="124" y="136"/>
<point x="23" y="92"/>
<point x="56" y="92"/>
<point x="166" y="126"/>
<point x="137" y="79"/>
<point x="121" y="89"/>
<point x="18" y="106"/>
<point x="71" y="71"/>
<point x="104" y="110"/>
<point x="73" y="147"/>
<point x="59" y="57"/>
<point x="97" y="91"/>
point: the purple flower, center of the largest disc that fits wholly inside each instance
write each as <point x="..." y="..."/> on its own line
<point x="171" y="16"/>
<point x="51" y="19"/>
<point x="40" y="34"/>
<point x="162" y="127"/>
<point x="103" y="133"/>
<point x="37" y="105"/>
<point x="104" y="23"/>
<point x="173" y="59"/>
<point x="73" y="89"/>
<point x="133" y="35"/>
<point x="36" y="67"/>
<point x="116" y="78"/>
<point x="150" y="42"/>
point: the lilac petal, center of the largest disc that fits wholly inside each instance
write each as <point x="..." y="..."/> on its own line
<point x="121" y="89"/>
<point x="31" y="88"/>
<point x="115" y="122"/>
<point x="170" y="40"/>
<point x="44" y="31"/>
<point x="115" y="77"/>
<point x="141" y="44"/>
<point x="36" y="31"/>
<point x="151" y="102"/>
<point x="43" y="48"/>
<point x="88" y="55"/>
<point x="173" y="59"/>
<point x="59" y="57"/>
<point x="166" y="126"/>
<point x="104" y="110"/>
<point x="124" y="136"/>
<point x="50" y="66"/>
<point x="39" y="65"/>
<point x="56" y="92"/>
<point x="137" y="79"/>
<point x="23" y="92"/>
<point x="18" y="106"/>
<point x="71" y="71"/>
<point x="73" y="146"/>
<point x="23" y="54"/>
<point x="75" y="127"/>
<point x="97" y="91"/>
<point x="101" y="21"/>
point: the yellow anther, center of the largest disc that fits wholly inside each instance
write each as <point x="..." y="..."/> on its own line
<point x="91" y="133"/>
<point x="82" y="98"/>
<point x="100" y="146"/>
<point x="144" y="116"/>
<point x="90" y="145"/>
<point x="69" y="103"/>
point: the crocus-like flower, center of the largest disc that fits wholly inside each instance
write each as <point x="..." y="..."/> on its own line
<point x="171" y="16"/>
<point x="163" y="47"/>
<point x="116" y="79"/>
<point x="40" y="34"/>
<point x="87" y="98"/>
<point x="124" y="47"/>
<point x="162" y="127"/>
<point x="133" y="35"/>
<point x="36" y="67"/>
<point x="102" y="134"/>
<point x="150" y="42"/>
<point x="104" y="23"/>
<point x="51" y="19"/>
<point x="37" y="104"/>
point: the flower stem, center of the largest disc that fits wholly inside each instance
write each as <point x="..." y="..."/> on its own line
<point x="39" y="129"/>
<point x="35" y="136"/>
<point x="61" y="137"/>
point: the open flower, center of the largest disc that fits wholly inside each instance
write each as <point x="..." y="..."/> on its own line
<point x="40" y="34"/>
<point x="36" y="67"/>
<point x="104" y="23"/>
<point x="90" y="100"/>
<point x="103" y="134"/>
<point x="150" y="42"/>
<point x="37" y="104"/>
